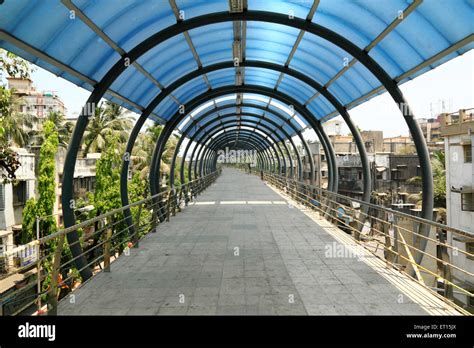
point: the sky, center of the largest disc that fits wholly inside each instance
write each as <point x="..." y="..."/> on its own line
<point x="451" y="83"/>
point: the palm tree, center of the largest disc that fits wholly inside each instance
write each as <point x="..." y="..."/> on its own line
<point x="143" y="152"/>
<point x="62" y="127"/>
<point x="109" y="118"/>
<point x="17" y="126"/>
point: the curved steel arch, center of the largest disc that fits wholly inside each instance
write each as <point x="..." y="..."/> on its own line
<point x="204" y="128"/>
<point x="255" y="140"/>
<point x="243" y="136"/>
<point x="249" y="123"/>
<point x="245" y="143"/>
<point x="223" y="139"/>
<point x="182" y="26"/>
<point x="270" y="144"/>
<point x="209" y="132"/>
<point x="271" y="66"/>
<point x="318" y="87"/>
<point x="266" y="109"/>
<point x="199" y="100"/>
<point x="263" y="144"/>
<point x="227" y="141"/>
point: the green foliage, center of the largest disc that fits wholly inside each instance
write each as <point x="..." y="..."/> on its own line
<point x="28" y="225"/>
<point x="438" y="166"/>
<point x="43" y="207"/>
<point x="15" y="126"/>
<point x="109" y="120"/>
<point x="11" y="125"/>
<point x="106" y="195"/>
<point x="61" y="126"/>
<point x="142" y="153"/>
<point x="13" y="65"/>
<point x="138" y="190"/>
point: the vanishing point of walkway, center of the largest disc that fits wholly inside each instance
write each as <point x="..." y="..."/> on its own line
<point x="241" y="248"/>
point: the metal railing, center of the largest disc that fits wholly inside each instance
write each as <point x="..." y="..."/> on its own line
<point x="103" y="239"/>
<point x="398" y="238"/>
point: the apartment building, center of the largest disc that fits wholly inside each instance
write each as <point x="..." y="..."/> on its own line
<point x="458" y="132"/>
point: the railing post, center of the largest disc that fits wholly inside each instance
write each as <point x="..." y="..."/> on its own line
<point x="53" y="288"/>
<point x="38" y="264"/>
<point x="154" y="217"/>
<point x="168" y="206"/>
<point x="178" y="201"/>
<point x="186" y="194"/>
<point x="107" y="244"/>
<point x="135" y="235"/>
<point x="173" y="202"/>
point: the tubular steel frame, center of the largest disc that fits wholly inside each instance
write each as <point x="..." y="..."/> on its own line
<point x="101" y="88"/>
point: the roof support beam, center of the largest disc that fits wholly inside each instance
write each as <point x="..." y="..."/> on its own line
<point x="187" y="37"/>
<point x="309" y="17"/>
<point x="99" y="32"/>
<point x="371" y="45"/>
<point x="52" y="61"/>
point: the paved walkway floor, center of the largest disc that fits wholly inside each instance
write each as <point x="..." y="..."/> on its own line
<point x="239" y="249"/>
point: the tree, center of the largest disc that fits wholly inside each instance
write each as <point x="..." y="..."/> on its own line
<point x="13" y="66"/>
<point x="143" y="152"/>
<point x="16" y="126"/>
<point x="61" y="126"/>
<point x="43" y="207"/>
<point x="438" y="165"/>
<point x="108" y="119"/>
<point x="106" y="196"/>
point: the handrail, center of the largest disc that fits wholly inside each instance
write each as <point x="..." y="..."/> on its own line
<point x="326" y="205"/>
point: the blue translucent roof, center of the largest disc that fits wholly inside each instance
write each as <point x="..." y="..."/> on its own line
<point x="81" y="46"/>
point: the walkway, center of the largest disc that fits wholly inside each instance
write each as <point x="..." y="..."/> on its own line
<point x="240" y="249"/>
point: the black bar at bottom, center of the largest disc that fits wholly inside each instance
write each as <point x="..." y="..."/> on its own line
<point x="140" y="330"/>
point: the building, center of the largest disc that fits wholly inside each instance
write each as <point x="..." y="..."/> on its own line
<point x="399" y="144"/>
<point x="373" y="142"/>
<point x="84" y="177"/>
<point x="431" y="128"/>
<point x="458" y="132"/>
<point x="13" y="197"/>
<point x="83" y="182"/>
<point x="320" y="165"/>
<point x="390" y="173"/>
<point x="34" y="102"/>
<point x="333" y="127"/>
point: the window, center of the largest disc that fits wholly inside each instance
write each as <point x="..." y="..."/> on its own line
<point x="467" y="201"/>
<point x="323" y="173"/>
<point x="470" y="250"/>
<point x="19" y="193"/>
<point x="467" y="153"/>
